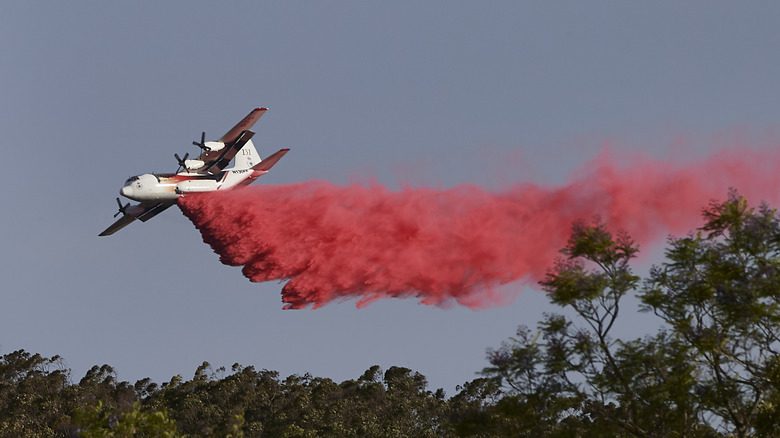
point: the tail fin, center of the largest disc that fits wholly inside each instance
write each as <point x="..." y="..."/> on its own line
<point x="247" y="157"/>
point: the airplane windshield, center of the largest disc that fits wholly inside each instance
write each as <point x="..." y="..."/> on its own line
<point x="131" y="179"/>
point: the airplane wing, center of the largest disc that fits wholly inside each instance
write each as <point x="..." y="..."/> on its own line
<point x="154" y="210"/>
<point x="245" y="124"/>
<point x="122" y="222"/>
<point x="234" y="140"/>
<point x="142" y="211"/>
<point x="220" y="159"/>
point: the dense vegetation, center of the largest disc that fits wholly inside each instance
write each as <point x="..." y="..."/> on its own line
<point x="711" y="370"/>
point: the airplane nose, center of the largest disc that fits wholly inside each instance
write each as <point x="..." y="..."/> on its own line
<point x="126" y="191"/>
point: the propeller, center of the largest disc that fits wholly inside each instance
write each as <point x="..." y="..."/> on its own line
<point x="202" y="143"/>
<point x="122" y="209"/>
<point x="181" y="161"/>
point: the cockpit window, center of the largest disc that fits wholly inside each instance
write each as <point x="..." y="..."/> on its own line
<point x="131" y="179"/>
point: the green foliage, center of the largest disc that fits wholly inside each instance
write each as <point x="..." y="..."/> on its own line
<point x="712" y="370"/>
<point x="29" y="385"/>
<point x="103" y="422"/>
<point x="720" y="291"/>
<point x="258" y="402"/>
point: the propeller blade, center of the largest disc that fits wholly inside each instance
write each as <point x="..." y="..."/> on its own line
<point x="182" y="161"/>
<point x="202" y="143"/>
<point x="122" y="208"/>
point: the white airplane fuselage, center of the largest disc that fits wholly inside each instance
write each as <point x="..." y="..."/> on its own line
<point x="170" y="186"/>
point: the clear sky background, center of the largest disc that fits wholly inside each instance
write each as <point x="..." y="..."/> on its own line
<point x="419" y="93"/>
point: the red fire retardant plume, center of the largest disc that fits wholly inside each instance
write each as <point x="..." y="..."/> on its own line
<point x="332" y="242"/>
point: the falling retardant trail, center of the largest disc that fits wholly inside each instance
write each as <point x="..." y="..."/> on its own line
<point x="331" y="242"/>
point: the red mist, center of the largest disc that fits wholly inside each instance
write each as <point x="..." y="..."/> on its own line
<point x="367" y="242"/>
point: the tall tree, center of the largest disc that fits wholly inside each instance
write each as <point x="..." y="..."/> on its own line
<point x="711" y="369"/>
<point x="720" y="293"/>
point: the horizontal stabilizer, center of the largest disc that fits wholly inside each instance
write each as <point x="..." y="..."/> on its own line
<point x="272" y="159"/>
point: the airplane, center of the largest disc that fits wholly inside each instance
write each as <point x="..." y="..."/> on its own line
<point x="155" y="192"/>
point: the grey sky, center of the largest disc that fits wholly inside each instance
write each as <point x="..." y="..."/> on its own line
<point x="435" y="93"/>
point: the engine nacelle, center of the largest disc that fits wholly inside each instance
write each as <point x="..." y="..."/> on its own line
<point x="214" y="145"/>
<point x="193" y="164"/>
<point x="196" y="186"/>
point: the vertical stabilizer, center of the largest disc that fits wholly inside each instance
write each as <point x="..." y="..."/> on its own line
<point x="247" y="157"/>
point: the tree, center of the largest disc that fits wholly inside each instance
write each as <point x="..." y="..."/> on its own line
<point x="259" y="403"/>
<point x="569" y="378"/>
<point x="30" y="395"/>
<point x="102" y="421"/>
<point x="711" y="369"/>
<point x="720" y="292"/>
